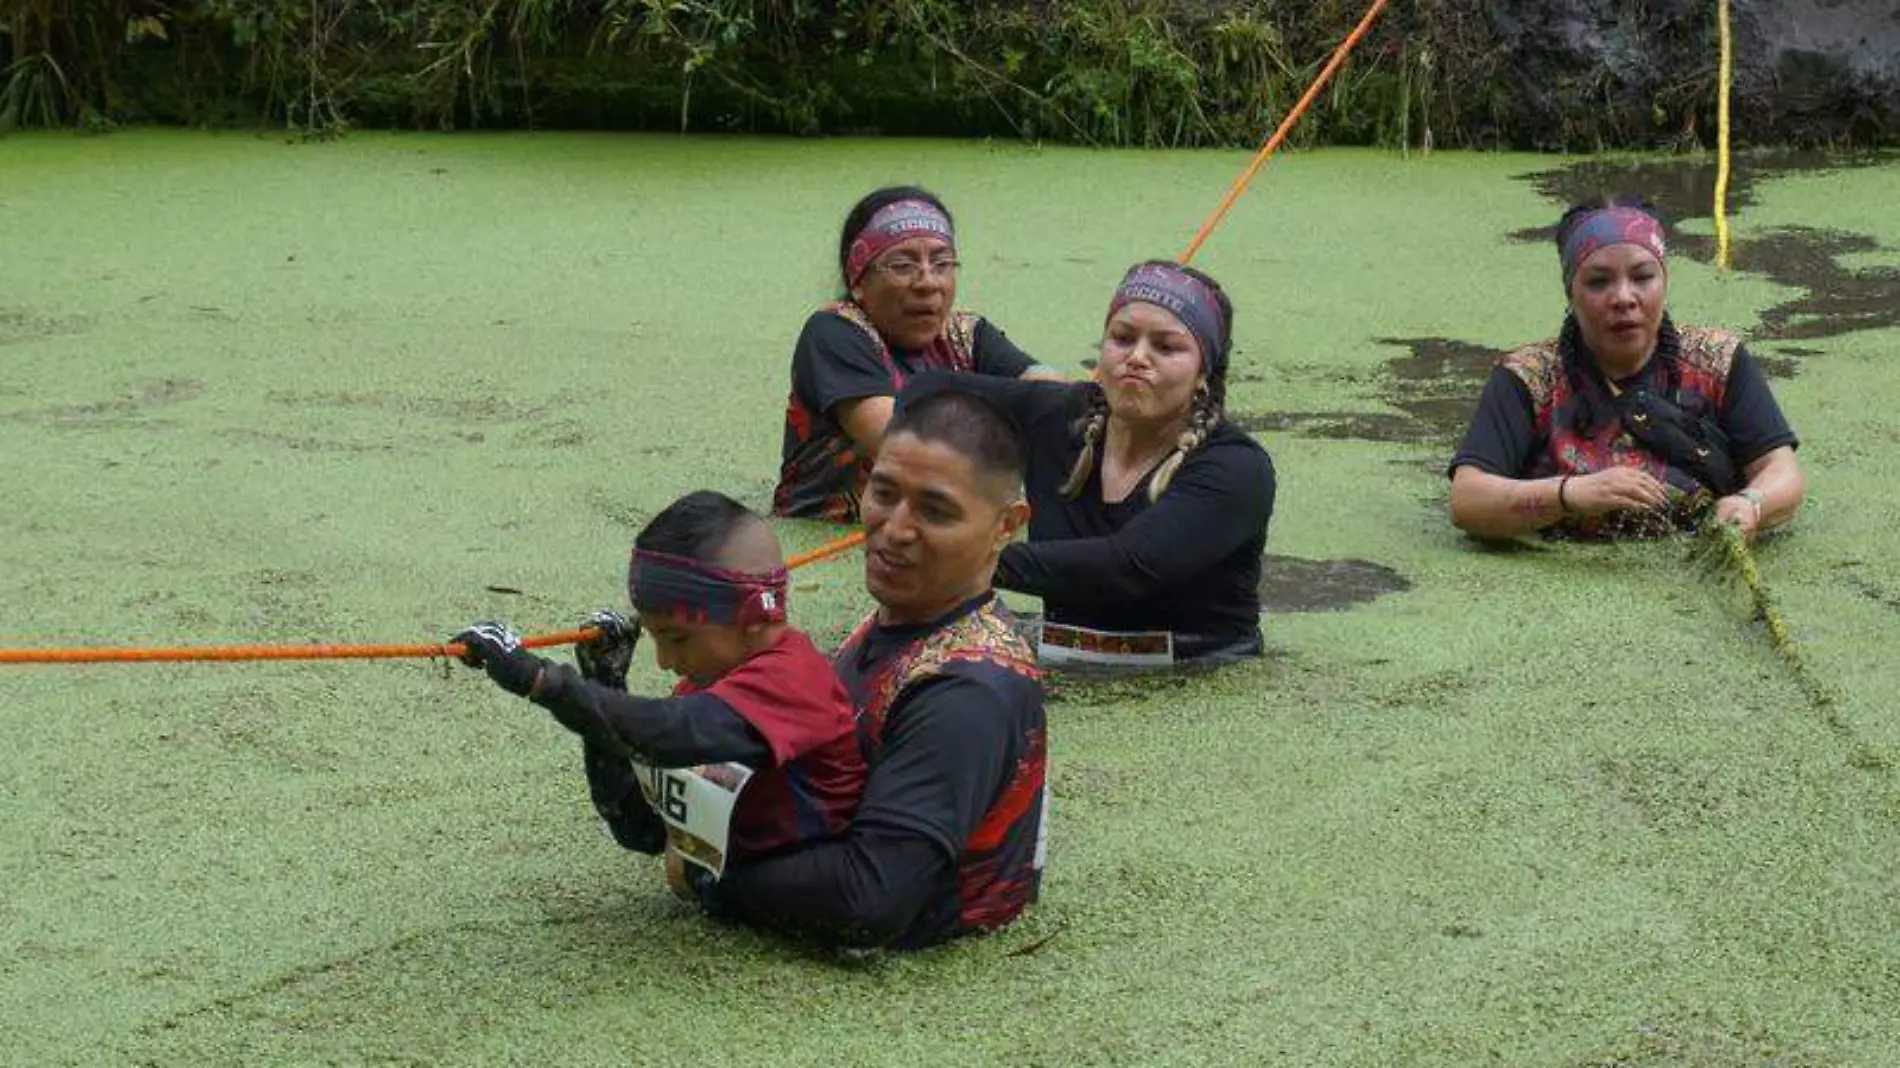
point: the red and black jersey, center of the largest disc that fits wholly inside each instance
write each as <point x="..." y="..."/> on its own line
<point x="1547" y="410"/>
<point x="841" y="357"/>
<point x="967" y="689"/>
<point x="792" y="698"/>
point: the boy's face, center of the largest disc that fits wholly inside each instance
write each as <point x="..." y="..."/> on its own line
<point x="698" y="652"/>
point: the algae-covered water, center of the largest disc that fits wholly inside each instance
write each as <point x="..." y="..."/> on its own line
<point x="1557" y="806"/>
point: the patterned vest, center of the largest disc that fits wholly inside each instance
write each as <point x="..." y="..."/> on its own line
<point x="1000" y="869"/>
<point x="824" y="471"/>
<point x="1700" y="358"/>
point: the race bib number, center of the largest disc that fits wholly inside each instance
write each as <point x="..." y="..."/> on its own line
<point x="697" y="805"/>
<point x="1062" y="644"/>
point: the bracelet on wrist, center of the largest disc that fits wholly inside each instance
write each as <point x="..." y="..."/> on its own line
<point x="1563" y="503"/>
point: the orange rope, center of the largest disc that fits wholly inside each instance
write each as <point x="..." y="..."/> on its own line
<point x="826" y="551"/>
<point x="266" y="652"/>
<point x="855" y="538"/>
<point x="1286" y="125"/>
<point x="340" y="652"/>
<point x="811" y="556"/>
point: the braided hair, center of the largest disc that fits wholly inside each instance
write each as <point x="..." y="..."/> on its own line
<point x="1210" y="408"/>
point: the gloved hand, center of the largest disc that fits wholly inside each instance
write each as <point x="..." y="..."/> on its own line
<point x="605" y="657"/>
<point x="496" y="649"/>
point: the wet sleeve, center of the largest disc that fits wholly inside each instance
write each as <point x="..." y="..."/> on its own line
<point x="615" y="791"/>
<point x="1750" y="416"/>
<point x="1503" y="431"/>
<point x="1033" y="406"/>
<point x="947" y="751"/>
<point x="836" y="361"/>
<point x="996" y="354"/>
<point x="1221" y="498"/>
<point x="667" y="732"/>
<point x="791" y="696"/>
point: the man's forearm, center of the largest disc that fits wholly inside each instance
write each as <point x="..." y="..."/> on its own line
<point x="864" y="890"/>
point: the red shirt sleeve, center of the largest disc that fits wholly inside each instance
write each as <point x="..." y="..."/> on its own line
<point x="791" y="696"/>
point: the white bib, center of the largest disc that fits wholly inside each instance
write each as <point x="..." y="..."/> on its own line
<point x="696" y="804"/>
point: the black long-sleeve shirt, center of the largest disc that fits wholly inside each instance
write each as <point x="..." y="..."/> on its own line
<point x="1187" y="563"/>
<point x="617" y="728"/>
<point x="665" y="732"/>
<point x="941" y="765"/>
<point x="951" y="748"/>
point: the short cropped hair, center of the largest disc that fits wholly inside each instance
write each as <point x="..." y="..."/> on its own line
<point x="696" y="526"/>
<point x="971" y="426"/>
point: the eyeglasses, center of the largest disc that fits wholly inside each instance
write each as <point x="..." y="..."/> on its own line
<point x="911" y="272"/>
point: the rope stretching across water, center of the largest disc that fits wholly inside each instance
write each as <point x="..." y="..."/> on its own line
<point x="567" y="637"/>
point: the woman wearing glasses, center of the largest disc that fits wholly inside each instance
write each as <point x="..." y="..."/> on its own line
<point x="898" y="260"/>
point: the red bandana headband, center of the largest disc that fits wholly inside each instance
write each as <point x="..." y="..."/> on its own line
<point x="693" y="591"/>
<point x="1610" y="226"/>
<point x="893" y="224"/>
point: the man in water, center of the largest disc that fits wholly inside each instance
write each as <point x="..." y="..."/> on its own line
<point x="948" y="837"/>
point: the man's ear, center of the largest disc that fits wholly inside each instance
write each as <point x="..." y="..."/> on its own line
<point x="1015" y="514"/>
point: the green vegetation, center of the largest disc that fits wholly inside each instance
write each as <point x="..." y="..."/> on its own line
<point x="1561" y="805"/>
<point x="1101" y="72"/>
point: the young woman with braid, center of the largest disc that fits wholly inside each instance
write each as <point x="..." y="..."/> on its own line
<point x="1149" y="510"/>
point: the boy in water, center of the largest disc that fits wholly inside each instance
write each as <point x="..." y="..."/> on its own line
<point x="708" y="582"/>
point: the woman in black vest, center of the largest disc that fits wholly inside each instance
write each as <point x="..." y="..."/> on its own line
<point x="1625" y="424"/>
<point x="897" y="257"/>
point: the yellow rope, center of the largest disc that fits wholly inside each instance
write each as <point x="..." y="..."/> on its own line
<point x="1721" y="137"/>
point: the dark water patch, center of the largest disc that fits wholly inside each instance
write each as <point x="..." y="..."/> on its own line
<point x="1652" y="790"/>
<point x="1683" y="188"/>
<point x="1777" y="366"/>
<point x="1700" y="1041"/>
<point x="1292" y="584"/>
<point x="1100" y="684"/>
<point x="1837" y="299"/>
<point x="559" y="434"/>
<point x="1434" y="388"/>
<point x="18" y="326"/>
<point x="1875" y="592"/>
<point x="475" y="409"/>
<point x="1093" y="783"/>
<point x="125" y="411"/>
<point x="1351" y="426"/>
<point x="302" y="442"/>
<point x="1438" y="381"/>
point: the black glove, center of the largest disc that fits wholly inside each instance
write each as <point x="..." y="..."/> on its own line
<point x="605" y="657"/>
<point x="495" y="648"/>
<point x="616" y="793"/>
